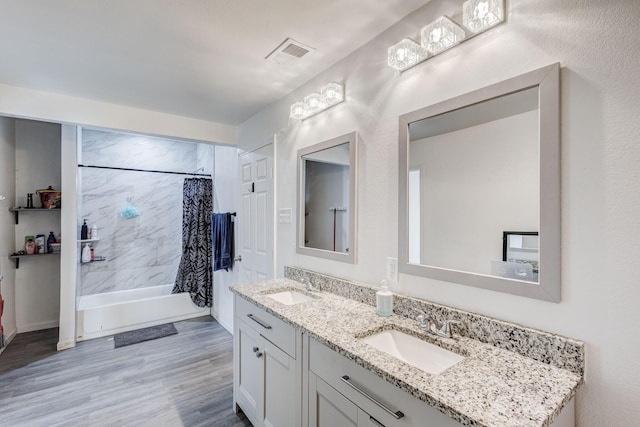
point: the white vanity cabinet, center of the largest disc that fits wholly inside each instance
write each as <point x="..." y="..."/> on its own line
<point x="267" y="367"/>
<point x="342" y="385"/>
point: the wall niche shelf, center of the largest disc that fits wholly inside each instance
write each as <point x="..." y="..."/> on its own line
<point x="88" y="240"/>
<point x="16" y="211"/>
<point x="16" y="258"/>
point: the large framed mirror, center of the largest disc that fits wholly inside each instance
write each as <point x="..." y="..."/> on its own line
<point x="327" y="210"/>
<point x="474" y="166"/>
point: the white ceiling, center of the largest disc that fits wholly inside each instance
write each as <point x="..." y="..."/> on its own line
<point x="195" y="58"/>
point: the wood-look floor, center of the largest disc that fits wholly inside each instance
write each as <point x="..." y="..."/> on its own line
<point x="179" y="380"/>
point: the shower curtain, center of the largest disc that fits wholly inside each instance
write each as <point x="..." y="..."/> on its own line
<point x="195" y="274"/>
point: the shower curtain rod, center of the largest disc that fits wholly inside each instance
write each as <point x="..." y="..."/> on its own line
<point x="143" y="170"/>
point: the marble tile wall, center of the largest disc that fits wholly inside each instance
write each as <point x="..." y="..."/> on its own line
<point x="556" y="350"/>
<point x="143" y="251"/>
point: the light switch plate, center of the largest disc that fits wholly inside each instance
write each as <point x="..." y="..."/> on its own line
<point x="392" y="269"/>
<point x="285" y="215"/>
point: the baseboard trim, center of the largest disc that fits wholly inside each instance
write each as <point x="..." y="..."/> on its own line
<point x="224" y="324"/>
<point x="65" y="345"/>
<point x="38" y="326"/>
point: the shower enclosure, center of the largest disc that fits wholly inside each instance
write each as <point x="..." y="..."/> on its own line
<point x="130" y="187"/>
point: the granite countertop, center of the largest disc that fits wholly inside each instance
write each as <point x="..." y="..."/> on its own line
<point x="489" y="387"/>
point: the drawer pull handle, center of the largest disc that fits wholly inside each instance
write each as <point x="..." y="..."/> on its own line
<point x="255" y="349"/>
<point x="259" y="322"/>
<point x="395" y="414"/>
<point x="258" y="354"/>
<point x="375" y="422"/>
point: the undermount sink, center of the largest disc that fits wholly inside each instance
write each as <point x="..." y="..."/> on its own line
<point x="290" y="297"/>
<point x="414" y="351"/>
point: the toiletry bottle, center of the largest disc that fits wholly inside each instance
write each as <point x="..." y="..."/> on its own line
<point x="41" y="247"/>
<point x="94" y="232"/>
<point x="91" y="248"/>
<point x="51" y="239"/>
<point x="86" y="253"/>
<point x="384" y="300"/>
<point x="84" y="231"/>
<point x="30" y="246"/>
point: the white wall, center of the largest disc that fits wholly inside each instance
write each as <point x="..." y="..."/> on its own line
<point x="597" y="44"/>
<point x="7" y="225"/>
<point x="226" y="194"/>
<point x="33" y="104"/>
<point x="38" y="279"/>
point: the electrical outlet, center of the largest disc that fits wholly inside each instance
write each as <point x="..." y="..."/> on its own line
<point x="392" y="269"/>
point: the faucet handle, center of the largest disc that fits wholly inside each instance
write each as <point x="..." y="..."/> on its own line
<point x="445" y="330"/>
<point x="424" y="320"/>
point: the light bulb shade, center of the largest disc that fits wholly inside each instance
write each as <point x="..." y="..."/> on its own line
<point x="480" y="15"/>
<point x="405" y="54"/>
<point x="441" y="35"/>
<point x="315" y="103"/>
<point x="333" y="93"/>
<point x="298" y="111"/>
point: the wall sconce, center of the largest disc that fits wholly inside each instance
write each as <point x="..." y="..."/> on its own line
<point x="330" y="95"/>
<point x="443" y="33"/>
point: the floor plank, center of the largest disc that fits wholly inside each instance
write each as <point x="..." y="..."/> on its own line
<point x="181" y="380"/>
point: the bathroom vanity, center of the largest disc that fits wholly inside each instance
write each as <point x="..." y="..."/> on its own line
<point x="311" y="359"/>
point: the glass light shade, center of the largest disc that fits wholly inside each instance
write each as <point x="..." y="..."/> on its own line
<point x="405" y="54"/>
<point x="333" y="93"/>
<point x="298" y="111"/>
<point x="480" y="15"/>
<point x="315" y="103"/>
<point x="441" y="35"/>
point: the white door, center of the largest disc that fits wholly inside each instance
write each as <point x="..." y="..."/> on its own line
<point x="255" y="215"/>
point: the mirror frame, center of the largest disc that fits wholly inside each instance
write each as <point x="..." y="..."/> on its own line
<point x="348" y="257"/>
<point x="547" y="79"/>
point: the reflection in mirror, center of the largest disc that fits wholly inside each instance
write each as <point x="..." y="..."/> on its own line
<point x="474" y="166"/>
<point x="482" y="159"/>
<point x="326" y="191"/>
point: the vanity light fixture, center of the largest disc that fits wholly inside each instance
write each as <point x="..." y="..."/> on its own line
<point x="328" y="96"/>
<point x="444" y="33"/>
<point x="441" y="35"/>
<point x="480" y="15"/>
<point x="405" y="54"/>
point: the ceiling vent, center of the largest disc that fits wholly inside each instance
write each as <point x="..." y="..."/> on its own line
<point x="288" y="52"/>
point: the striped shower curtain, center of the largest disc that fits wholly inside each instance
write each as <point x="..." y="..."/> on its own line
<point x="195" y="274"/>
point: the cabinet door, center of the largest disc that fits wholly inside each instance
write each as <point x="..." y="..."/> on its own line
<point x="250" y="371"/>
<point x="328" y="408"/>
<point x="280" y="391"/>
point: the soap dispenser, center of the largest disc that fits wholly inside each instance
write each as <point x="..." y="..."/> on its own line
<point x="384" y="300"/>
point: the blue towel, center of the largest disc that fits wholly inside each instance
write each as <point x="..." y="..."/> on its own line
<point x="222" y="239"/>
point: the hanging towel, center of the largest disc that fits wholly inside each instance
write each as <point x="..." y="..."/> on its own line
<point x="222" y="238"/>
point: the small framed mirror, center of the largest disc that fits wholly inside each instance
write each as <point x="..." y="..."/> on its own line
<point x="474" y="166"/>
<point x="327" y="211"/>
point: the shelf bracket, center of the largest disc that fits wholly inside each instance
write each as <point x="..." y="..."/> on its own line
<point x="16" y="214"/>
<point x="17" y="260"/>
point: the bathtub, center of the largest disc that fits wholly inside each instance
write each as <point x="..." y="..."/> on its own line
<point x="109" y="313"/>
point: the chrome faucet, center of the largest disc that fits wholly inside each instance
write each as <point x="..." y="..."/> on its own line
<point x="308" y="286"/>
<point x="427" y="324"/>
<point x="445" y="330"/>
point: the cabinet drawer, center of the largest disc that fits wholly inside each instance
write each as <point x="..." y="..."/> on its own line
<point x="275" y="330"/>
<point x="332" y="367"/>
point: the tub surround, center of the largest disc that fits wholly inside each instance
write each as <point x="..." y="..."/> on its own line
<point x="492" y="386"/>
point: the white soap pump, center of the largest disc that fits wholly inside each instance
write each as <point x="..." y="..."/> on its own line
<point x="384" y="300"/>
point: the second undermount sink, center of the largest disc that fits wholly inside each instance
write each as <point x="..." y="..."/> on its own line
<point x="414" y="351"/>
<point x="290" y="297"/>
